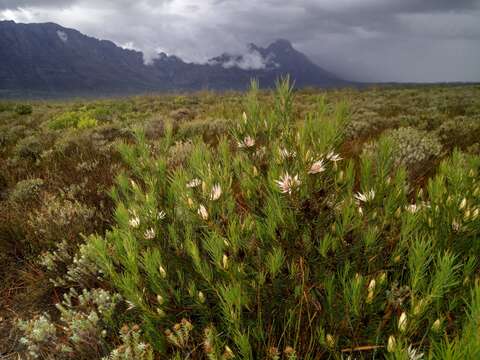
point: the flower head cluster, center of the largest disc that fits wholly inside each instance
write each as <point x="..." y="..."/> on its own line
<point x="286" y="154"/>
<point x="216" y="192"/>
<point x="149" y="234"/>
<point x="317" y="167"/>
<point x="287" y="183"/>
<point x="194" y="183"/>
<point x="365" y="197"/>
<point x="333" y="157"/>
<point x="134" y="222"/>
<point x="202" y="211"/>
<point x="247" y="142"/>
<point x="413" y="354"/>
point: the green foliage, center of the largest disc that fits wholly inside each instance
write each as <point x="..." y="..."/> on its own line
<point x="270" y="240"/>
<point x="63" y="121"/>
<point x="73" y="119"/>
<point x="86" y="122"/>
<point x="244" y="235"/>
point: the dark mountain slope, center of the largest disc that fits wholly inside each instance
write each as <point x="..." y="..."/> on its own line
<point x="48" y="58"/>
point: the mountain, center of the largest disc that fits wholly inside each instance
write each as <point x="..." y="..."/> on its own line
<point x="48" y="59"/>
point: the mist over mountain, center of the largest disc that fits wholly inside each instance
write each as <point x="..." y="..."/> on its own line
<point x="57" y="61"/>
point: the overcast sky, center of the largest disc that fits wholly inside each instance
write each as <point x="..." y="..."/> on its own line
<point x="368" y="40"/>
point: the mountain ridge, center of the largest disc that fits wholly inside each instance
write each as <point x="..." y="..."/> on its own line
<point x="49" y="58"/>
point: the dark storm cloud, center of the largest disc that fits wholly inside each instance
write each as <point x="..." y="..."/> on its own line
<point x="380" y="40"/>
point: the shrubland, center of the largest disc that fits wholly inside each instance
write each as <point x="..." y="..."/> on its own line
<point x="267" y="225"/>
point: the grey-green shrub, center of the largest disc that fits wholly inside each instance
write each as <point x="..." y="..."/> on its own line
<point x="26" y="190"/>
<point x="411" y="148"/>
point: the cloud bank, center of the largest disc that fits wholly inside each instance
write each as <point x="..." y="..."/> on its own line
<point x="368" y="40"/>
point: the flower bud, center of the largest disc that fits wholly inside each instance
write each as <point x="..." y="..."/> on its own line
<point x="341" y="175"/>
<point x="398" y="212"/>
<point x="228" y="353"/>
<point x="162" y="271"/>
<point x="437" y="325"/>
<point x="382" y="278"/>
<point x="392" y="344"/>
<point x="402" y="322"/>
<point x="330" y="341"/>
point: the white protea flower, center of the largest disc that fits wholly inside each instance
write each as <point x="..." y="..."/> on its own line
<point x="134" y="222"/>
<point x="244" y="116"/>
<point x="149" y="234"/>
<point x="287" y="183"/>
<point x="333" y="157"/>
<point x="216" y="192"/>
<point x="286" y="154"/>
<point x="161" y="215"/>
<point x="130" y="304"/>
<point x="413" y="354"/>
<point x="247" y="142"/>
<point x="202" y="211"/>
<point x="368" y="196"/>
<point x="317" y="167"/>
<point x="412" y="208"/>
<point x="402" y="322"/>
<point x="194" y="183"/>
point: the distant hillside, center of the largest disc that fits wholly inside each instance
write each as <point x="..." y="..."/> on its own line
<point x="49" y="59"/>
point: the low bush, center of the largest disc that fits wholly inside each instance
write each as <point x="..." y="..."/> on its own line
<point x="459" y="132"/>
<point x="415" y="149"/>
<point x="63" y="121"/>
<point x="271" y="245"/>
<point x="209" y="129"/>
<point x="23" y="109"/>
<point x="86" y="122"/>
<point x="26" y="190"/>
<point x="60" y="219"/>
<point x="31" y="147"/>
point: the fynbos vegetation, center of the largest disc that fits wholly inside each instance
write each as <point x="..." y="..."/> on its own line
<point x="284" y="226"/>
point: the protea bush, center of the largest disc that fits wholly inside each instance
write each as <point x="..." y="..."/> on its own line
<point x="270" y="245"/>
